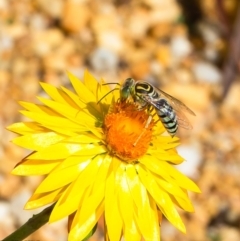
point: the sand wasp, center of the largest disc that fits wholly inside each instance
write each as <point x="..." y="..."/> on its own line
<point x="144" y="95"/>
<point x="169" y="109"/>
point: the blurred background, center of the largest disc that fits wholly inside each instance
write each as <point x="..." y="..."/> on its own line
<point x="188" y="48"/>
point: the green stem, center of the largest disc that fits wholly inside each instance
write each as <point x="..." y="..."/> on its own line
<point x="31" y="225"/>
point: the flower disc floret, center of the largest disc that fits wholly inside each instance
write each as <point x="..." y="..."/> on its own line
<point x="128" y="133"/>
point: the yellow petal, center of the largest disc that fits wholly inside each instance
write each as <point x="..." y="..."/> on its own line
<point x="112" y="214"/>
<point x="75" y="161"/>
<point x="84" y="138"/>
<point x="64" y="131"/>
<point x="91" y="149"/>
<point x="38" y="141"/>
<point x="50" y="119"/>
<point x="89" y="109"/>
<point x="125" y="203"/>
<point x="58" y="95"/>
<point x="145" y="217"/>
<point x="26" y="128"/>
<point x="85" y="94"/>
<point x="64" y="150"/>
<point x="54" y="121"/>
<point x="165" y="139"/>
<point x="89" y="211"/>
<point x="103" y="170"/>
<point x="165" y="142"/>
<point x="72" y="198"/>
<point x="159" y="128"/>
<point x="171" y="185"/>
<point x="52" y="181"/>
<point x="35" y="167"/>
<point x="79" y="232"/>
<point x="73" y="114"/>
<point x="104" y="90"/>
<point x="90" y="82"/>
<point x="98" y="89"/>
<point x="37" y="108"/>
<point x="177" y="193"/>
<point x="162" y="199"/>
<point x="154" y="165"/>
<point x="168" y="172"/>
<point x="183" y="203"/>
<point x="40" y="200"/>
<point x="171" y="188"/>
<point x="155" y="216"/>
<point x="90" y="204"/>
<point x="57" y="151"/>
<point x="172" y="157"/>
<point x="132" y="232"/>
<point x="98" y="132"/>
<point x="181" y="179"/>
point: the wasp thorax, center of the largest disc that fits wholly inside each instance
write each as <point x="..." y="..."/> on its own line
<point x="128" y="131"/>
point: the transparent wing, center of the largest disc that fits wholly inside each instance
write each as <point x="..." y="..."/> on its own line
<point x="175" y="103"/>
<point x="183" y="121"/>
<point x="181" y="118"/>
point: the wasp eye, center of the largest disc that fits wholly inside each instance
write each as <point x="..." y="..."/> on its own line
<point x="129" y="81"/>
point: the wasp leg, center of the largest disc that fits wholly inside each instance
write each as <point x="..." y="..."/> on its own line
<point x="140" y="107"/>
<point x="145" y="128"/>
<point x="150" y="111"/>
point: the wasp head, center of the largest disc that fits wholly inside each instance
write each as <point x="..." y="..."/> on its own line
<point x="127" y="88"/>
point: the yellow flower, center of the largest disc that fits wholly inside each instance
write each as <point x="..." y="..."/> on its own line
<point x="105" y="158"/>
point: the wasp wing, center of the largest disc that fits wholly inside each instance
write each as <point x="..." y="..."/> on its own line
<point x="181" y="118"/>
<point x="176" y="104"/>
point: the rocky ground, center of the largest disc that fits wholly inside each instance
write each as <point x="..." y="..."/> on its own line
<point x="150" y="40"/>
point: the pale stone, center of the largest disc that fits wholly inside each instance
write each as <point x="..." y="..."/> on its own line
<point x="15" y="30"/>
<point x="164" y="11"/>
<point x="180" y="47"/>
<point x="9" y="185"/>
<point x="4" y="4"/>
<point x="38" y="22"/>
<point x="17" y="203"/>
<point x="75" y="16"/>
<point x="230" y="103"/>
<point x="104" y="59"/>
<point x="136" y="27"/>
<point x="206" y="72"/>
<point x="54" y="62"/>
<point x="45" y="41"/>
<point x="111" y="40"/>
<point x="230" y="233"/>
<point x="54" y="7"/>
<point x="192" y="155"/>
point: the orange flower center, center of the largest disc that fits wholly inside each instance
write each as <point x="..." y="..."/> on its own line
<point x="128" y="131"/>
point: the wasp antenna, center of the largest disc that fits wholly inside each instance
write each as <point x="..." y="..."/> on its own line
<point x="107" y="94"/>
<point x="111" y="84"/>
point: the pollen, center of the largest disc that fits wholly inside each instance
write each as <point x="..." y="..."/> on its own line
<point x="128" y="131"/>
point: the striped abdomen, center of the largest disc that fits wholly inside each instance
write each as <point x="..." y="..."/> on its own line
<point x="167" y="116"/>
<point x="147" y="95"/>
